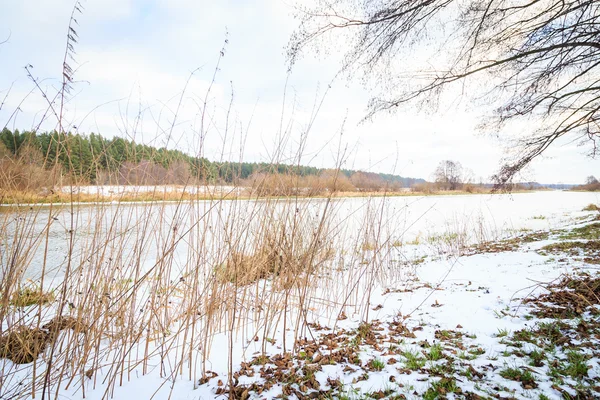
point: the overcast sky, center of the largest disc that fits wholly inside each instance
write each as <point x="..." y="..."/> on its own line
<point x="134" y="58"/>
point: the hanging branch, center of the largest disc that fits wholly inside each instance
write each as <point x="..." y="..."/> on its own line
<point x="539" y="59"/>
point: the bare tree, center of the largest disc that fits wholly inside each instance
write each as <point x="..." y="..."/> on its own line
<point x="540" y="57"/>
<point x="449" y="175"/>
<point x="591" y="180"/>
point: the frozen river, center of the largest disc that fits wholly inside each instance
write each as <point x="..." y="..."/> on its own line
<point x="51" y="238"/>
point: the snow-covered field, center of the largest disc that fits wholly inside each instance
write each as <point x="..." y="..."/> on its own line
<point x="430" y="305"/>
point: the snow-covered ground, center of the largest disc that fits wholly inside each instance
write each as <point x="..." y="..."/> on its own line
<point x="446" y="318"/>
<point x="472" y="309"/>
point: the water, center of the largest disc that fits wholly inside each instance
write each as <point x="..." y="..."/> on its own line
<point x="52" y="238"/>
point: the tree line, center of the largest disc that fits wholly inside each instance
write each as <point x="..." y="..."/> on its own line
<point x="94" y="159"/>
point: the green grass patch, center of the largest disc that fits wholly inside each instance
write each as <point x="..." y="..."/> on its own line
<point x="435" y="352"/>
<point x="441" y="369"/>
<point x="549" y="331"/>
<point x="439" y="389"/>
<point x="587" y="232"/>
<point x="520" y="375"/>
<point x="575" y="248"/>
<point x="477" y="351"/>
<point x="463" y="355"/>
<point x="502" y="333"/>
<point x="413" y="361"/>
<point x="576" y="366"/>
<point x="537" y="358"/>
<point x="377" y="364"/>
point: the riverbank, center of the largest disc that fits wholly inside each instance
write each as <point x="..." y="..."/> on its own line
<point x="137" y="194"/>
<point x="510" y="318"/>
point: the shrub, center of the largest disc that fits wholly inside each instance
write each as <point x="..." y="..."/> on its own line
<point x="425" y="187"/>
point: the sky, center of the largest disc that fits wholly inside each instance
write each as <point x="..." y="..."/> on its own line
<point x="151" y="71"/>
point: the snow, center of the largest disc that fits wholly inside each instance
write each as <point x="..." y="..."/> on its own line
<point x="477" y="295"/>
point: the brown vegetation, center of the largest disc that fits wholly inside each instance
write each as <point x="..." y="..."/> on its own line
<point x="24" y="172"/>
<point x="23" y="344"/>
<point x="278" y="184"/>
<point x="589" y="187"/>
<point x="31" y="295"/>
<point x="569" y="297"/>
<point x="282" y="250"/>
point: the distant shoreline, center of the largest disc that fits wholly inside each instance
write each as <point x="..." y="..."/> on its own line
<point x="174" y="193"/>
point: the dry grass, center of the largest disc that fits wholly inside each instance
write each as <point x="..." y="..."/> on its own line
<point x="31" y="295"/>
<point x="282" y="185"/>
<point x="133" y="285"/>
<point x="162" y="279"/>
<point x="23" y="345"/>
<point x="570" y="297"/>
<point x="16" y="197"/>
<point x="591" y="207"/>
<point x="281" y="252"/>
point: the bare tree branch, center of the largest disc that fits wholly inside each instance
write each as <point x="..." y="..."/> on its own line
<point x="540" y="57"/>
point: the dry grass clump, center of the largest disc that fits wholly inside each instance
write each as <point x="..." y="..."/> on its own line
<point x="31" y="295"/>
<point x="278" y="251"/>
<point x="591" y="207"/>
<point x="244" y="269"/>
<point x="368" y="246"/>
<point x="426" y="187"/>
<point x="62" y="323"/>
<point x="471" y="188"/>
<point x="23" y="345"/>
